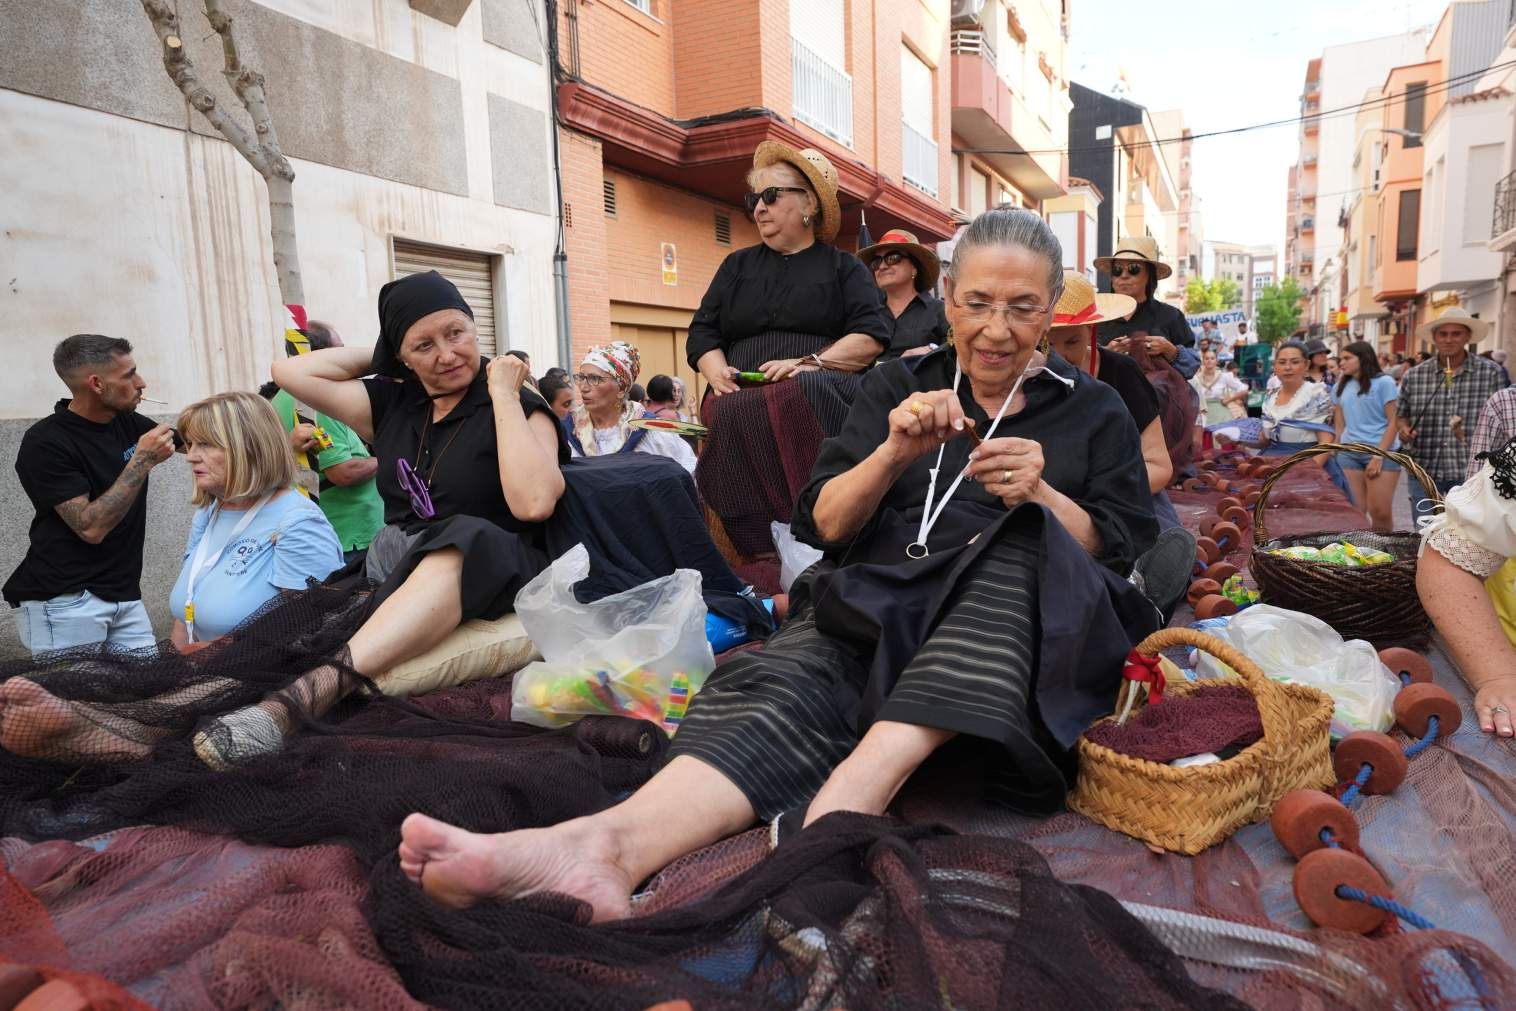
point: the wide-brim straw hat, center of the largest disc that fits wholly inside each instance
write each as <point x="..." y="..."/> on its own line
<point x="1081" y="305"/>
<point x="818" y="171"/>
<point x="1141" y="248"/>
<point x="928" y="266"/>
<point x="1455" y="314"/>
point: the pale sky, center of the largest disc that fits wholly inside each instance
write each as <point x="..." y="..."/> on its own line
<point x="1226" y="65"/>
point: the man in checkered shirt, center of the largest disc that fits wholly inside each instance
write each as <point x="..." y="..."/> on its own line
<point x="1497" y="426"/>
<point x="1441" y="399"/>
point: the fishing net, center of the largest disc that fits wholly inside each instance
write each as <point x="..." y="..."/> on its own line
<point x="274" y="883"/>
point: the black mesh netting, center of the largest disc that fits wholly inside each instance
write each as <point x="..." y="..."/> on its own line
<point x="274" y="883"/>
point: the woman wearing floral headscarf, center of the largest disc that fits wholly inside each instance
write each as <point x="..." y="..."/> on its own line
<point x="601" y="422"/>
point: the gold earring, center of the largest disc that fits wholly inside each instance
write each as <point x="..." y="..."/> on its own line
<point x="1045" y="345"/>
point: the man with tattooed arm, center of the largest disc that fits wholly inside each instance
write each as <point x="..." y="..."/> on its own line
<point x="85" y="469"/>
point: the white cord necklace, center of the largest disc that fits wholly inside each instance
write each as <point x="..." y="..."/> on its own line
<point x="929" y="517"/>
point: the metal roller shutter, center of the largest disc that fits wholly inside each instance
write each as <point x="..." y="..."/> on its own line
<point x="473" y="273"/>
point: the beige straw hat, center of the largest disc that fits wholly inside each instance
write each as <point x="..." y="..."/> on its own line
<point x="817" y="170"/>
<point x="1080" y="304"/>
<point x="1141" y="248"/>
<point x="1455" y="314"/>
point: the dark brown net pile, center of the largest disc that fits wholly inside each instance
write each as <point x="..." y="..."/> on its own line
<point x="275" y="883"/>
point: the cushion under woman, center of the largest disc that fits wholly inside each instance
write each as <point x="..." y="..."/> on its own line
<point x="1363" y="411"/>
<point x="600" y="424"/>
<point x="982" y="607"/>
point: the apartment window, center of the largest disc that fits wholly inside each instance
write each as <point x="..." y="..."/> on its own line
<point x="918" y="151"/>
<point x="1483" y="172"/>
<point x="645" y="6"/>
<point x="1010" y="52"/>
<point x="1415" y="111"/>
<point x="1406" y="228"/>
<point x="723" y="228"/>
<point x="822" y="88"/>
<point x="979" y="192"/>
<point x="608" y="190"/>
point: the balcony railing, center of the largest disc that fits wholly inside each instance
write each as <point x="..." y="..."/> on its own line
<point x="972" y="40"/>
<point x="1505" y="205"/>
<point x="918" y="159"/>
<point x="823" y="95"/>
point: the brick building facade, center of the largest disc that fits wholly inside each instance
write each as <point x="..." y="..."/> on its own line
<point x="661" y="105"/>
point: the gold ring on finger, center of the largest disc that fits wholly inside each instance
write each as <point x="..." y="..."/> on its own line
<point x="917" y="407"/>
<point x="1007" y="478"/>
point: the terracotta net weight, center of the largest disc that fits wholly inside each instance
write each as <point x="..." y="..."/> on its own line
<point x="1417" y="702"/>
<point x="1408" y="662"/>
<point x="1368" y="747"/>
<point x="1300" y="816"/>
<point x="1317" y="878"/>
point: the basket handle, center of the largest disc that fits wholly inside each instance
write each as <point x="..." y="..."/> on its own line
<point x="1260" y="526"/>
<point x="1276" y="725"/>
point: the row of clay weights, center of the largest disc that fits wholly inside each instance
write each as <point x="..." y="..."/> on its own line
<point x="1221" y="533"/>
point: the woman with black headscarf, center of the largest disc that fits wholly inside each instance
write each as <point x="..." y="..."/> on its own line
<point x="455" y="545"/>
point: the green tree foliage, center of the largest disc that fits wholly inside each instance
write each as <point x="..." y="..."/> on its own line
<point x="1278" y="310"/>
<point x="1211" y="296"/>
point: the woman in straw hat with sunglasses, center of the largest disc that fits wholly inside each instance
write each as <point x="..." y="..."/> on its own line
<point x="1135" y="271"/>
<point x="906" y="271"/>
<point x="804" y="314"/>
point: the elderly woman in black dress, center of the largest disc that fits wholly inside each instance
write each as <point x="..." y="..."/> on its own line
<point x="802" y="312"/>
<point x="970" y="594"/>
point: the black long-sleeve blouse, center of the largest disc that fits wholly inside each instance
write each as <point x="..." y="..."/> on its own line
<point x="1154" y="318"/>
<point x="1090" y="446"/>
<point x="820" y="290"/>
<point x="923" y="322"/>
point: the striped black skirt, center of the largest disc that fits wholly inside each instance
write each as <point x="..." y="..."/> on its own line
<point x="776" y="722"/>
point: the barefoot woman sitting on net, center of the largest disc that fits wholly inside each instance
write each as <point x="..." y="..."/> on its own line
<point x="457" y="544"/>
<point x="969" y="603"/>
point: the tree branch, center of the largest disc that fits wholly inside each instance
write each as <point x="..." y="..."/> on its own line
<point x="248" y="84"/>
<point x="181" y="70"/>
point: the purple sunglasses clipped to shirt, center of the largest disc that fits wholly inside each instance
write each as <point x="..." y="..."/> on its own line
<point x="412" y="485"/>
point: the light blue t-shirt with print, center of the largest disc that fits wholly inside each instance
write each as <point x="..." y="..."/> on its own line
<point x="287" y="542"/>
<point x="1363" y="416"/>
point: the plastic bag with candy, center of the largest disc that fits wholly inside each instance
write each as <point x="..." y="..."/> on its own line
<point x="641" y="653"/>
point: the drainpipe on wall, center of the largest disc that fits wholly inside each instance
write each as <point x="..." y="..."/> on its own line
<point x="560" y="252"/>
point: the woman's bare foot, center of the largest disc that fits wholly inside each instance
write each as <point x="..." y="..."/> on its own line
<point x="37" y="724"/>
<point x="458" y="868"/>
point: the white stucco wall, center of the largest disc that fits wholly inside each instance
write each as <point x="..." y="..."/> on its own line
<point x="1456" y="205"/>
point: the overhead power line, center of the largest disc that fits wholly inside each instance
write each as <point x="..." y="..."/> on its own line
<point x="1383" y="101"/>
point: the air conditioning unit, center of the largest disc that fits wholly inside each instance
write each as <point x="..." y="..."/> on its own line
<point x="967" y="11"/>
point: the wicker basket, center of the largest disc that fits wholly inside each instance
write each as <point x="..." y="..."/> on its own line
<point x="1186" y="810"/>
<point x="1373" y="602"/>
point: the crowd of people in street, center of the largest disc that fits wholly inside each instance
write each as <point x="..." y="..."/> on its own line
<point x="984" y="473"/>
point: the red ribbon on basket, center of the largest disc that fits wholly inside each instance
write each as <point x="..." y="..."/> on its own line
<point x="1145" y="669"/>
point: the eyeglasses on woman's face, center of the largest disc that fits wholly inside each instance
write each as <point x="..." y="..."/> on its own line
<point x="1016" y="313"/>
<point x="887" y="260"/>
<point x="1130" y="269"/>
<point x="768" y="195"/>
<point x="593" y="382"/>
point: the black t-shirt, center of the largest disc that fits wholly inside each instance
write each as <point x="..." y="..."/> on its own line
<point x="63" y="457"/>
<point x="820" y="290"/>
<point x="1126" y="377"/>
<point x="1090" y="448"/>
<point x="923" y="322"/>
<point x="1154" y="318"/>
<point x="459" y="457"/>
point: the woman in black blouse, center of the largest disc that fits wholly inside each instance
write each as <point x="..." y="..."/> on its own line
<point x="999" y="623"/>
<point x="1135" y="272"/>
<point x="793" y="307"/>
<point x="906" y="271"/>
<point x="456" y="545"/>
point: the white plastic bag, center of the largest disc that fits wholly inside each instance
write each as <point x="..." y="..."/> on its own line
<point x="1291" y="646"/>
<point x="640" y="653"/>
<point x="794" y="557"/>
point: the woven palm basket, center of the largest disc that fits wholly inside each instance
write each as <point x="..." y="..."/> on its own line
<point x="1187" y="810"/>
<point x="1374" y="602"/>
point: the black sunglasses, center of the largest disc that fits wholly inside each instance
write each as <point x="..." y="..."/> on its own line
<point x="1130" y="270"/>
<point x="768" y="195"/>
<point x="887" y="260"/>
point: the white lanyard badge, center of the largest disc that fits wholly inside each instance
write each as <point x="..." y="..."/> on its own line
<point x="200" y="563"/>
<point x="930" y="516"/>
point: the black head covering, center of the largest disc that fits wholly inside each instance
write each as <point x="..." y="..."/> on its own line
<point x="402" y="303"/>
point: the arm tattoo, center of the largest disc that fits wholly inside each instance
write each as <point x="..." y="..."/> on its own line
<point x="105" y="512"/>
